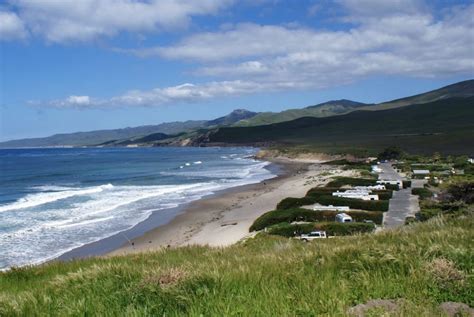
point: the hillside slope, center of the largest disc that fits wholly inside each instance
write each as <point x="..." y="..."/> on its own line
<point x="445" y="125"/>
<point x="265" y="276"/>
<point x="120" y="137"/>
<point x="463" y="89"/>
<point x="325" y="109"/>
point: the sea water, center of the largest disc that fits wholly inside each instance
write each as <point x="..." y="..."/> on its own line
<point x="55" y="200"/>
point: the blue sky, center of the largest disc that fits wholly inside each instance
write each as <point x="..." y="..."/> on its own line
<point x="71" y="66"/>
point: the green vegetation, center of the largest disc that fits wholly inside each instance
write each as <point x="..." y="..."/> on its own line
<point x="424" y="264"/>
<point x="327" y="109"/>
<point x="351" y="165"/>
<point x="316" y="196"/>
<point x="423" y="193"/>
<point x="462" y="89"/>
<point x="331" y="228"/>
<point x="299" y="214"/>
<point x="391" y="153"/>
<point x="351" y="181"/>
<point x="447" y="129"/>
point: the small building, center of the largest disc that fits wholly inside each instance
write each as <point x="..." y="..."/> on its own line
<point x="370" y="188"/>
<point x="421" y="172"/>
<point x="355" y="194"/>
<point x="330" y="208"/>
<point x="343" y="217"/>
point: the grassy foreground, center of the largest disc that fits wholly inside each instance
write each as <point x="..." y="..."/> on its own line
<point x="424" y="264"/>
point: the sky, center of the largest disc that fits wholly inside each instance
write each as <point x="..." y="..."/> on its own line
<point x="68" y="65"/>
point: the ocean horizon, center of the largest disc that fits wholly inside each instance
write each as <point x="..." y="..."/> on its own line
<point x="54" y="200"/>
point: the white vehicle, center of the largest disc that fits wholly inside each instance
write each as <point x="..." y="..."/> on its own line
<point x="343" y="217"/>
<point x="313" y="235"/>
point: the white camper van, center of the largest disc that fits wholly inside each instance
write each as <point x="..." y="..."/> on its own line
<point x="343" y="217"/>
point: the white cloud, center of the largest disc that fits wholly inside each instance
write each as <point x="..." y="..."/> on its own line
<point x="186" y="93"/>
<point x="413" y="44"/>
<point x="78" y="100"/>
<point x="11" y="26"/>
<point x="250" y="58"/>
<point x="72" y="20"/>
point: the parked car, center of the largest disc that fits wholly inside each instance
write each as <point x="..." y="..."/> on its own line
<point x="313" y="235"/>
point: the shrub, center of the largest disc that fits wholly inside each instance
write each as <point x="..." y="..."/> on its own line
<point x="391" y="153"/>
<point x="371" y="205"/>
<point x="391" y="187"/>
<point x="344" y="229"/>
<point x="423" y="193"/>
<point x="288" y="230"/>
<point x="332" y="229"/>
<point x="292" y="202"/>
<point x="462" y="192"/>
<point x="298" y="214"/>
<point x="321" y="191"/>
<point x="406" y="184"/>
<point x="342" y="181"/>
<point x="384" y="194"/>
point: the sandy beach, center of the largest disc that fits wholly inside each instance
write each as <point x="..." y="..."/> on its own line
<point x="225" y="218"/>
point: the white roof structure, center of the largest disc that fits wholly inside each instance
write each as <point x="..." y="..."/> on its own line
<point x="421" y="172"/>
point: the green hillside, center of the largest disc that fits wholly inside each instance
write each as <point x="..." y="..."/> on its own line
<point x="462" y="89"/>
<point x="445" y="126"/>
<point x="420" y="266"/>
<point x="326" y="109"/>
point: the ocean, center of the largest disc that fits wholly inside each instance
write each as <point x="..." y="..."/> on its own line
<point x="56" y="200"/>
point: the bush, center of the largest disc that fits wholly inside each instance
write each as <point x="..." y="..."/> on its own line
<point x="462" y="192"/>
<point x="292" y="202"/>
<point x="298" y="214"/>
<point x="391" y="187"/>
<point x="342" y="181"/>
<point x="322" y="191"/>
<point x="344" y="229"/>
<point x="423" y="193"/>
<point x="391" y="153"/>
<point x="288" y="230"/>
<point x="428" y="213"/>
<point x="406" y="184"/>
<point x="371" y="205"/>
<point x="384" y="194"/>
<point x="332" y="229"/>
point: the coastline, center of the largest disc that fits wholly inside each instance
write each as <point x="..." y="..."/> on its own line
<point x="224" y="218"/>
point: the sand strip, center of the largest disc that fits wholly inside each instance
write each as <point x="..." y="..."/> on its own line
<point x="224" y="219"/>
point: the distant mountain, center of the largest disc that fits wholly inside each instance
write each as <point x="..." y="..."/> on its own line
<point x="326" y="109"/>
<point x="445" y="125"/>
<point x="126" y="136"/>
<point x="235" y="116"/>
<point x="462" y="89"/>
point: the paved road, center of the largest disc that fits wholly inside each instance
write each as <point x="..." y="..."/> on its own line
<point x="388" y="172"/>
<point x="402" y="204"/>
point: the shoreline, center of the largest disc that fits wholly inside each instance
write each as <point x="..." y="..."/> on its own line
<point x="224" y="218"/>
<point x="157" y="219"/>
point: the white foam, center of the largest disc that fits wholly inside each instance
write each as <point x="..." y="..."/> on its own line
<point x="34" y="200"/>
<point x="197" y="162"/>
<point x="97" y="212"/>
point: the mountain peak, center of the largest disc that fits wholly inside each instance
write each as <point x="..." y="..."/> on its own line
<point x="339" y="102"/>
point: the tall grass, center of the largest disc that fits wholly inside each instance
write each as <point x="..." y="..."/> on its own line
<point x="263" y="276"/>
